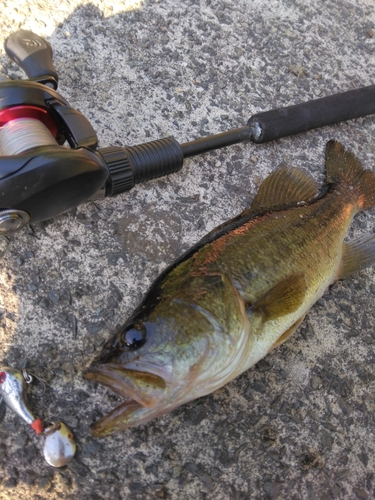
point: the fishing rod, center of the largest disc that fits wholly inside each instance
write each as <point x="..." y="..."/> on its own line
<point x="41" y="177"/>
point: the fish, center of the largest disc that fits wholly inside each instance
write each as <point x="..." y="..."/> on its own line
<point x="241" y="291"/>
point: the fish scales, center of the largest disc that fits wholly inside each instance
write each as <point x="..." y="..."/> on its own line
<point x="296" y="237"/>
<point x="241" y="291"/>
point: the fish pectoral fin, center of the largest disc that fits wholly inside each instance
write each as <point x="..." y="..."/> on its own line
<point x="357" y="254"/>
<point x="284" y="298"/>
<point x="285" y="188"/>
<point x="287" y="334"/>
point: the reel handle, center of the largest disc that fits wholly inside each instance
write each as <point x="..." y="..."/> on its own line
<point x="33" y="55"/>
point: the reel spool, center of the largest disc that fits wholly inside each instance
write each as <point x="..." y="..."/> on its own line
<point x="25" y="127"/>
<point x="22" y="128"/>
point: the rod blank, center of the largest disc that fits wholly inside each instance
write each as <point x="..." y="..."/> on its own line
<point x="217" y="141"/>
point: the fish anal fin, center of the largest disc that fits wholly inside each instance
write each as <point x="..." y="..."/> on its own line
<point x="287" y="334"/>
<point x="283" y="298"/>
<point x="357" y="254"/>
<point x="285" y="188"/>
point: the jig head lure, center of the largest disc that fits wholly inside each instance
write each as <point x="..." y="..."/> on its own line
<point x="59" y="446"/>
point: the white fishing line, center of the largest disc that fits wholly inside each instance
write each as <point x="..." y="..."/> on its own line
<point x="22" y="134"/>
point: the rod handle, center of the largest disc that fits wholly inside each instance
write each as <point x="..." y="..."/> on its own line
<point x="281" y="122"/>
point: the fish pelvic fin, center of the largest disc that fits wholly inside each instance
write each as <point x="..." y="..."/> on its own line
<point x="344" y="169"/>
<point x="287" y="187"/>
<point x="357" y="254"/>
<point x="283" y="298"/>
<point x="287" y="334"/>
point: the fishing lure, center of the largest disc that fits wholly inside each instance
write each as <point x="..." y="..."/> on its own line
<point x="59" y="446"/>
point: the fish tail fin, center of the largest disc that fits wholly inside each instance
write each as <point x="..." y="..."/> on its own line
<point x="344" y="169"/>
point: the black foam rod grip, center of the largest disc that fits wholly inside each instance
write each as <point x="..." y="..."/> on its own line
<point x="31" y="53"/>
<point x="277" y="123"/>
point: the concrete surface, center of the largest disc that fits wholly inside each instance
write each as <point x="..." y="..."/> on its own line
<point x="300" y="425"/>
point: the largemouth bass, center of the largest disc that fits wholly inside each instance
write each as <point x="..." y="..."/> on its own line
<point x="237" y="294"/>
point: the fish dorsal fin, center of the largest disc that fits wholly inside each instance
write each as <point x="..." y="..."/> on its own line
<point x="357" y="254"/>
<point x="344" y="169"/>
<point x="284" y="298"/>
<point x="285" y="188"/>
<point x="341" y="164"/>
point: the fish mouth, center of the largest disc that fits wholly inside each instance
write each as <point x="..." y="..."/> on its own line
<point x="143" y="392"/>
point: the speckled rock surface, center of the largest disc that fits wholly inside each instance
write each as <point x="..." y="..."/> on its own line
<point x="299" y="425"/>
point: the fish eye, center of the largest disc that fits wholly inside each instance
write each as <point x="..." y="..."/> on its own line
<point x="135" y="336"/>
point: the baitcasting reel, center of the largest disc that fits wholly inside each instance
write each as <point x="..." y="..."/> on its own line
<point x="41" y="177"/>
